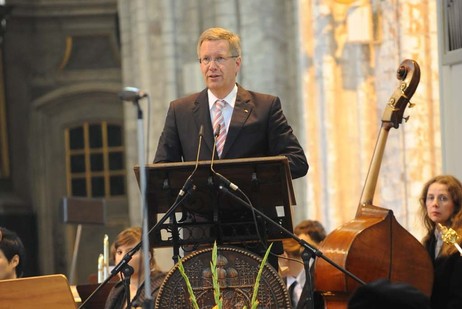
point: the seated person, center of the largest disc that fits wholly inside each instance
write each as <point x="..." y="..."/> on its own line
<point x="312" y="228"/>
<point x="293" y="269"/>
<point x="291" y="265"/>
<point x="441" y="204"/>
<point x="124" y="242"/>
<point x="12" y="255"/>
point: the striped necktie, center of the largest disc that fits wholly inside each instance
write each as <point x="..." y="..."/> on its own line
<point x="219" y="121"/>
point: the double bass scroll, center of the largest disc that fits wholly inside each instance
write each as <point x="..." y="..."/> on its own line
<point x="374" y="245"/>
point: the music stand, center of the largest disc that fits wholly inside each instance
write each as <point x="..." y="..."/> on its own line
<point x="265" y="180"/>
<point x="51" y="292"/>
<point x="81" y="210"/>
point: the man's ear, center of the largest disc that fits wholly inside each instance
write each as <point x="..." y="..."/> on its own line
<point x="15" y="260"/>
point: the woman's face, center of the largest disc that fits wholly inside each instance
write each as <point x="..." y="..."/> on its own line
<point x="439" y="203"/>
<point x="135" y="262"/>
<point x="8" y="268"/>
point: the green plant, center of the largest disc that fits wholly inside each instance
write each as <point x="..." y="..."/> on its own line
<point x="216" y="285"/>
<point x="192" y="297"/>
<point x="254" y="302"/>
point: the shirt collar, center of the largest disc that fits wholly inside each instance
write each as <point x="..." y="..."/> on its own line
<point x="230" y="98"/>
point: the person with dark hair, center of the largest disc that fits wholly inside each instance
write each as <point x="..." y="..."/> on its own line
<point x="382" y="294"/>
<point x="12" y="255"/>
<point x="292" y="269"/>
<point x="312" y="228"/>
<point x="117" y="298"/>
<point x="441" y="203"/>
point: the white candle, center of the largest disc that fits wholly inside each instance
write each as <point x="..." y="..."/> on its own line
<point x="106" y="257"/>
<point x="100" y="268"/>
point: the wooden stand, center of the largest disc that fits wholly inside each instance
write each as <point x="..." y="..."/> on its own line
<point x="51" y="292"/>
<point x="266" y="181"/>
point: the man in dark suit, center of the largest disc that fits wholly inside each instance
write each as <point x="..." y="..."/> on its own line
<point x="253" y="123"/>
<point x="244" y="123"/>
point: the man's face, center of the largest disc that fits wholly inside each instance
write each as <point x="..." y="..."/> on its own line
<point x="220" y="78"/>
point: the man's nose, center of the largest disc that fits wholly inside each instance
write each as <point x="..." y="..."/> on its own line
<point x="213" y="64"/>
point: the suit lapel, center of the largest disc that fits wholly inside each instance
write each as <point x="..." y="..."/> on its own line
<point x="201" y="114"/>
<point x="242" y="110"/>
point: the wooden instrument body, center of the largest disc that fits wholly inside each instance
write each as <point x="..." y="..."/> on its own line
<point x="371" y="246"/>
<point x="374" y="245"/>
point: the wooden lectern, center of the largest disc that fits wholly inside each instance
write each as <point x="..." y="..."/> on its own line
<point x="51" y="292"/>
<point x="266" y="181"/>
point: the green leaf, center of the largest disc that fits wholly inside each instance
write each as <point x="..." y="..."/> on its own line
<point x="254" y="303"/>
<point x="192" y="297"/>
<point x="216" y="284"/>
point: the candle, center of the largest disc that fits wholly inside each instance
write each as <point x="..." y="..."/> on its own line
<point x="106" y="257"/>
<point x="100" y="268"/>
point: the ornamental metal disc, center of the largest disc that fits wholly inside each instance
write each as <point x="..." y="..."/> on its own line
<point x="237" y="270"/>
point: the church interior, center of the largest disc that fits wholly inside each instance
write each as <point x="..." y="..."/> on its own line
<point x="69" y="146"/>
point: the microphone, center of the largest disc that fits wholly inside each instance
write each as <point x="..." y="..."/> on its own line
<point x="214" y="149"/>
<point x="132" y="94"/>
<point x="188" y="181"/>
<point x="222" y="178"/>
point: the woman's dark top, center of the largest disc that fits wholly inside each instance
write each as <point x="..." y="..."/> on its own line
<point x="117" y="298"/>
<point x="447" y="282"/>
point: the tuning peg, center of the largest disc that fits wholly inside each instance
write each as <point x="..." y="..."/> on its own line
<point x="392" y="103"/>
<point x="411" y="105"/>
<point x="406" y="118"/>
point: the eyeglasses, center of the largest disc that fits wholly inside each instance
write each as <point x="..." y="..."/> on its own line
<point x="217" y="60"/>
<point x="441" y="199"/>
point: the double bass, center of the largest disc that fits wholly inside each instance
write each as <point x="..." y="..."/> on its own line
<point x="374" y="245"/>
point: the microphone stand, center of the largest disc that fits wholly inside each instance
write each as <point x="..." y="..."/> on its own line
<point x="309" y="251"/>
<point x="123" y="264"/>
<point x="127" y="273"/>
<point x="148" y="301"/>
<point x="185" y="191"/>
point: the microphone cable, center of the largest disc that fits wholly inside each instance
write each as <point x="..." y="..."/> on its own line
<point x="235" y="188"/>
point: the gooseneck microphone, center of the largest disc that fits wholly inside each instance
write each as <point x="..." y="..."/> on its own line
<point x="188" y="182"/>
<point x="132" y="94"/>
<point x="214" y="148"/>
<point x="226" y="183"/>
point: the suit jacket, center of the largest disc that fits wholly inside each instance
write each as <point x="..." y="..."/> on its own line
<point x="258" y="128"/>
<point x="303" y="301"/>
<point x="447" y="282"/>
